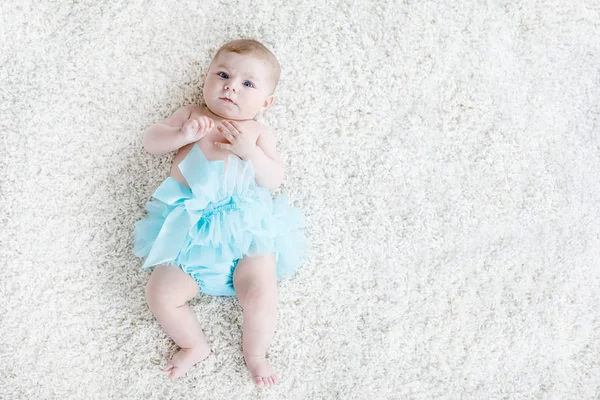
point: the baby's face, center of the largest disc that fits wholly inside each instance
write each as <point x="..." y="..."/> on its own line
<point x="237" y="86"/>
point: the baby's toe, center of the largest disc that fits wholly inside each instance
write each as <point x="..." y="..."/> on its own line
<point x="175" y="373"/>
<point x="258" y="380"/>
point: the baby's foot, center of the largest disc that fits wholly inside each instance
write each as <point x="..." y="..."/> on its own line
<point x="261" y="371"/>
<point x="184" y="360"/>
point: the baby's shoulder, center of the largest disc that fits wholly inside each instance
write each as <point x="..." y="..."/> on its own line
<point x="262" y="128"/>
<point x="254" y="126"/>
<point x="266" y="140"/>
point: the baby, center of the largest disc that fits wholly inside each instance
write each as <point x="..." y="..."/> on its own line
<point x="213" y="226"/>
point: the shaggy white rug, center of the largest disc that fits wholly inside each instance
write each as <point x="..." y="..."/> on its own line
<point x="446" y="156"/>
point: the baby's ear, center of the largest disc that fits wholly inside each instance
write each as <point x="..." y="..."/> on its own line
<point x="268" y="101"/>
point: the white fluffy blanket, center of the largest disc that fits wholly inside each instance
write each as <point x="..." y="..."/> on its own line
<point x="446" y="156"/>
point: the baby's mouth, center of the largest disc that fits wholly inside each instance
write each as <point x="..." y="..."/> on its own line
<point x="228" y="100"/>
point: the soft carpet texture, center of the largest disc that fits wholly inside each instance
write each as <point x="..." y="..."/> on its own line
<point x="446" y="156"/>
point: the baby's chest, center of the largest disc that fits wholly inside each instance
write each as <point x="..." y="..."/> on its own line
<point x="212" y="151"/>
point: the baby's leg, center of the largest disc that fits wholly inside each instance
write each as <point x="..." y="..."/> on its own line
<point x="255" y="284"/>
<point x="167" y="293"/>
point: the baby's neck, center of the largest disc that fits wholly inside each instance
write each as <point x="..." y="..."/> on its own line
<point x="218" y="117"/>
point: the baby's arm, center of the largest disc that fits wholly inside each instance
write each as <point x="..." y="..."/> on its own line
<point x="267" y="164"/>
<point x="176" y="131"/>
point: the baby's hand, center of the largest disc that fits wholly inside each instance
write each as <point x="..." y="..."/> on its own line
<point x="194" y="129"/>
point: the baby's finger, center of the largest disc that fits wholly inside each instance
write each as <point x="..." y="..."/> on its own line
<point x="202" y="124"/>
<point x="208" y="123"/>
<point x="225" y="132"/>
<point x="237" y="126"/>
<point x="223" y="145"/>
<point x="234" y="131"/>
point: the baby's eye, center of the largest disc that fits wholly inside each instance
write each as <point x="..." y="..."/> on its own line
<point x="223" y="75"/>
<point x="249" y="84"/>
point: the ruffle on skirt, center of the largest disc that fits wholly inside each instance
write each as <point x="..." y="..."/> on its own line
<point x="222" y="217"/>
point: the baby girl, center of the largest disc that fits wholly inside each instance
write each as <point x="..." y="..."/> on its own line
<point x="213" y="226"/>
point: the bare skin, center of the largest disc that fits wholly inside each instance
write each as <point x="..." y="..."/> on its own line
<point x="236" y="89"/>
<point x="167" y="293"/>
<point x="206" y="144"/>
<point x="256" y="288"/>
<point x="169" y="289"/>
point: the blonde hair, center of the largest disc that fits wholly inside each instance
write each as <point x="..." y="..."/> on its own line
<point x="256" y="48"/>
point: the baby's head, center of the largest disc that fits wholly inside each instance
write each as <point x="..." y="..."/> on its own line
<point x="241" y="80"/>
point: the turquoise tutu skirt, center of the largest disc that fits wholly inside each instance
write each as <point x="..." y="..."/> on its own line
<point x="207" y="228"/>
